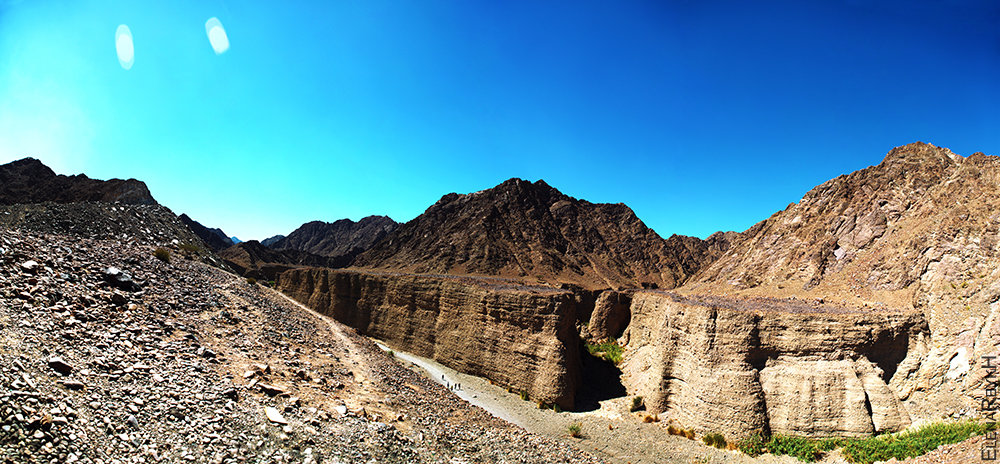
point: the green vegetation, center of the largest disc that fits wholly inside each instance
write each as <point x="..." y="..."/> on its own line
<point x="714" y="439"/>
<point x="608" y="349"/>
<point x="864" y="450"/>
<point x="637" y="404"/>
<point x="800" y="448"/>
<point x="575" y="430"/>
<point x="524" y="395"/>
<point x="909" y="444"/>
<point x="162" y="254"/>
<point x="556" y="408"/>
<point x="251" y="281"/>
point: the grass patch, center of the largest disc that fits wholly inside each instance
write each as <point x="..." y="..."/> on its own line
<point x="608" y="349"/>
<point x="864" y="450"/>
<point x="162" y="254"/>
<point x="714" y="439"/>
<point x="575" y="430"/>
<point x="190" y="248"/>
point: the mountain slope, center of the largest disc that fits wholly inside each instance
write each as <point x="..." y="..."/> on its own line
<point x="213" y="237"/>
<point x="340" y="239"/>
<point x="919" y="230"/>
<point x="531" y="230"/>
<point x="30" y="181"/>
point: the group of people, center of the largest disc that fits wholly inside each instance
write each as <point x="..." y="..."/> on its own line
<point x="451" y="386"/>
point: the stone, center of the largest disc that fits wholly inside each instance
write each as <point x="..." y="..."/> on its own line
<point x="30" y="266"/>
<point x="72" y="384"/>
<point x="57" y="364"/>
<point x="274" y="416"/>
<point x="120" y="279"/>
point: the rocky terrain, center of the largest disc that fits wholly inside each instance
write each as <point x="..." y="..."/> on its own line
<point x="254" y="260"/>
<point x="918" y="230"/>
<point x="342" y="240"/>
<point x="111" y="355"/>
<point x="520" y="337"/>
<point x="532" y="231"/>
<point x="30" y="181"/>
<point x="734" y="366"/>
<point x="215" y="238"/>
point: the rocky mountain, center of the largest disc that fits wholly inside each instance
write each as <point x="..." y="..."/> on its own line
<point x="268" y="242"/>
<point x="213" y="237"/>
<point x="30" y="181"/>
<point x="343" y="239"/>
<point x="531" y="230"/>
<point x="252" y="259"/>
<point x="919" y="230"/>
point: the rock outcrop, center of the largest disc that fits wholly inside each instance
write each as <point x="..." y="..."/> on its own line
<point x="252" y="259"/>
<point x="520" y="337"/>
<point x="30" y="181"/>
<point x="531" y="231"/>
<point x="735" y="366"/>
<point x="213" y="237"/>
<point x="343" y="239"/>
<point x="919" y="230"/>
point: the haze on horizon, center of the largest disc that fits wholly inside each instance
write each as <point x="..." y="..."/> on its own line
<point x="701" y="116"/>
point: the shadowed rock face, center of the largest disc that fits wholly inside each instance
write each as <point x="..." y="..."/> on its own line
<point x="343" y="239"/>
<point x="252" y="259"/>
<point x="29" y="181"/>
<point x="520" y="337"/>
<point x="214" y="238"/>
<point x="737" y="366"/>
<point x="528" y="230"/>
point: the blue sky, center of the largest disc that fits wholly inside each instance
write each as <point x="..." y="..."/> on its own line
<point x="700" y="115"/>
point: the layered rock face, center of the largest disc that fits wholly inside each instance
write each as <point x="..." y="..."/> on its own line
<point x="253" y="259"/>
<point x="735" y="366"/>
<point x="519" y="337"/>
<point x="918" y="230"/>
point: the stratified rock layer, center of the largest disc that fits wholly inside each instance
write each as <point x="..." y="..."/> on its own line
<point x="520" y="337"/>
<point x="736" y="366"/>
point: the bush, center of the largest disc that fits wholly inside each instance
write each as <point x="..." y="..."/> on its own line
<point x="524" y="395"/>
<point x="556" y="408"/>
<point x="714" y="439"/>
<point x="674" y="430"/>
<point x="189" y="248"/>
<point x="575" y="430"/>
<point x="609" y="349"/>
<point x="753" y="445"/>
<point x="251" y="281"/>
<point x="637" y="404"/>
<point x="162" y="254"/>
<point x="800" y="448"/>
<point x="910" y="444"/>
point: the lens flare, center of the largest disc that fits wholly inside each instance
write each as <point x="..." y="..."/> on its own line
<point x="124" y="47"/>
<point x="217" y="35"/>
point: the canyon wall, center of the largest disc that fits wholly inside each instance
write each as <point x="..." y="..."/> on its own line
<point x="735" y="366"/>
<point x="519" y="337"/>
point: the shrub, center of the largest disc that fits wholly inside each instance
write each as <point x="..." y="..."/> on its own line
<point x="251" y="281"/>
<point x="637" y="404"/>
<point x="910" y="444"/>
<point x="689" y="434"/>
<point x="609" y="349"/>
<point x="800" y="448"/>
<point x="189" y="247"/>
<point x="753" y="445"/>
<point x="674" y="430"/>
<point x="575" y="430"/>
<point x="524" y="395"/>
<point x="556" y="408"/>
<point x="714" y="439"/>
<point x="162" y="254"/>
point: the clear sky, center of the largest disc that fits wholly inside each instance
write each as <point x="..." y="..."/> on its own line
<point x="700" y="115"/>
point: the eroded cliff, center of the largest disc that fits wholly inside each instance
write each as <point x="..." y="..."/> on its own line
<point x="520" y="337"/>
<point x="735" y="366"/>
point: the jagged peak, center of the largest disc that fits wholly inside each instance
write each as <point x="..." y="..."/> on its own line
<point x="921" y="152"/>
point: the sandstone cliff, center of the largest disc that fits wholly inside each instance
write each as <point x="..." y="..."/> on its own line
<point x="919" y="230"/>
<point x="520" y="337"/>
<point x="735" y="366"/>
<point x="532" y="231"/>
